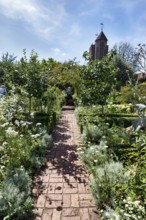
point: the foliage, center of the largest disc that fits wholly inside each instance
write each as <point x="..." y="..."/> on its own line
<point x="119" y="108"/>
<point x="70" y="75"/>
<point x="31" y="77"/>
<point x="53" y="99"/>
<point x="21" y="142"/>
<point x="7" y="66"/>
<point x="126" y="52"/>
<point x="106" y="173"/>
<point x="140" y="56"/>
<point x="23" y="146"/>
<point x="94" y="155"/>
<point x="28" y="112"/>
<point x="124" y="70"/>
<point x="97" y="80"/>
<point x="118" y="170"/>
<point x="30" y="109"/>
<point x="15" y="200"/>
<point x="126" y="95"/>
<point x="92" y="133"/>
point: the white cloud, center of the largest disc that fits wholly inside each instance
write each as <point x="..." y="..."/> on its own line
<point x="44" y="21"/>
<point x="128" y="5"/>
<point x="92" y="7"/>
<point x="108" y="16"/>
<point x="75" y="30"/>
<point x="19" y="9"/>
<point x="87" y="12"/>
<point x="58" y="52"/>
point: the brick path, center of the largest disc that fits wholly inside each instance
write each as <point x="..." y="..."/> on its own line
<point x="61" y="190"/>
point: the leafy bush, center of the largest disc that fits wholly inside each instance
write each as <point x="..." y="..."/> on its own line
<point x="15" y="200"/>
<point x="113" y="181"/>
<point x="95" y="155"/>
<point x="126" y="95"/>
<point x="130" y="210"/>
<point x="23" y="147"/>
<point x="104" y="181"/>
<point x="92" y="133"/>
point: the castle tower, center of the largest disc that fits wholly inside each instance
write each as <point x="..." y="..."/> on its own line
<point x="92" y="51"/>
<point x="100" y="48"/>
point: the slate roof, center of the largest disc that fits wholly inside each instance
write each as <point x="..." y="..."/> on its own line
<point x="101" y="36"/>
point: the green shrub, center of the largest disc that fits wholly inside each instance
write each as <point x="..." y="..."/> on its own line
<point x="92" y="133"/>
<point x="126" y="95"/>
<point x="104" y="181"/>
<point x="95" y="155"/>
<point x="15" y="200"/>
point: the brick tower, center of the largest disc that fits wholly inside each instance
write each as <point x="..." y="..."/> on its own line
<point x="100" y="48"/>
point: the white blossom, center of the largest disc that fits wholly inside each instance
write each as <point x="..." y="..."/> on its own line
<point x="38" y="124"/>
<point x="11" y="132"/>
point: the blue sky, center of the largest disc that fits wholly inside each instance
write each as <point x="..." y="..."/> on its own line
<point x="64" y="29"/>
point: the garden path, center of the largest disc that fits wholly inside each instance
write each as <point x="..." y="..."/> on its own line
<point x="62" y="189"/>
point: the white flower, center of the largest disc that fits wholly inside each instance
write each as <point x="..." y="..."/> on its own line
<point x="38" y="124"/>
<point x="141" y="208"/>
<point x="29" y="123"/>
<point x="4" y="125"/>
<point x="129" y="199"/>
<point x="35" y="135"/>
<point x="136" y="203"/>
<point x="127" y="215"/>
<point x="24" y="124"/>
<point x="4" y="143"/>
<point x="32" y="114"/>
<point x="11" y="132"/>
<point x="17" y="122"/>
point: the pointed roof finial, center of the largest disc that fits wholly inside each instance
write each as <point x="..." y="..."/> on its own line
<point x="101" y="26"/>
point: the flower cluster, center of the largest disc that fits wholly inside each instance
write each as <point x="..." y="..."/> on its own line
<point x="11" y="132"/>
<point x="132" y="210"/>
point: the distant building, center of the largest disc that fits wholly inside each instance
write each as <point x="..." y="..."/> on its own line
<point x="140" y="75"/>
<point x="100" y="48"/>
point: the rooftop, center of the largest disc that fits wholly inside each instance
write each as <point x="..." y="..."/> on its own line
<point x="101" y="36"/>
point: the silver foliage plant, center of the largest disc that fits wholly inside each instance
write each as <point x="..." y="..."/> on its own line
<point x="106" y="175"/>
<point x="15" y="200"/>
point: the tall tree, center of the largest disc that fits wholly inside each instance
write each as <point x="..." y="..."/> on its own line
<point x="97" y="80"/>
<point x="126" y="51"/>
<point x="7" y="66"/>
<point x="140" y="56"/>
<point x="124" y="71"/>
<point x="31" y="77"/>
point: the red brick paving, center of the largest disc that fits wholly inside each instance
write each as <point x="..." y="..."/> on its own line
<point x="61" y="191"/>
